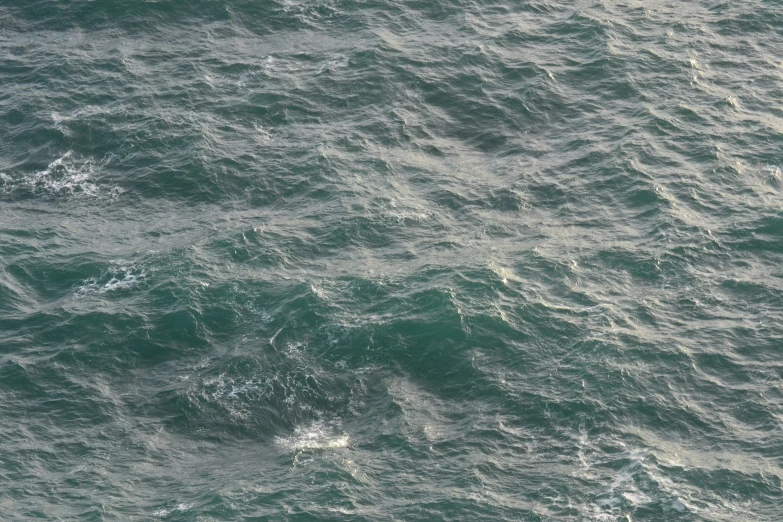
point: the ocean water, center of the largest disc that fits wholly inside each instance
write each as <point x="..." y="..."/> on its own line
<point x="391" y="261"/>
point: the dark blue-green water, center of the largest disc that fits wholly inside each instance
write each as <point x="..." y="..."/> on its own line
<point x="367" y="260"/>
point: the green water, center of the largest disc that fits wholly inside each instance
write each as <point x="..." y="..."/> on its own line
<point x="370" y="260"/>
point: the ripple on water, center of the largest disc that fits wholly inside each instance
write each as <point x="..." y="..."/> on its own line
<point x="454" y="261"/>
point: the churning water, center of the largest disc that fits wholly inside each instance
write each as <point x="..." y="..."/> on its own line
<point x="372" y="260"/>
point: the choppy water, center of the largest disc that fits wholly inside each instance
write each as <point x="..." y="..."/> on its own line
<point x="371" y="260"/>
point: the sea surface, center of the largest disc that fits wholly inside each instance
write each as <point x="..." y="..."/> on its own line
<point x="373" y="260"/>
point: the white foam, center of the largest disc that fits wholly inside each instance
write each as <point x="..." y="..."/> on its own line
<point x="64" y="176"/>
<point x="407" y="215"/>
<point x="317" y="436"/>
<point x="732" y="100"/>
<point x="59" y="178"/>
<point x="263" y="134"/>
<point x="319" y="291"/>
<point x="58" y="120"/>
<point x="307" y="12"/>
<point x="505" y="274"/>
<point x="117" y="277"/>
<point x="623" y="492"/>
<point x="162" y="513"/>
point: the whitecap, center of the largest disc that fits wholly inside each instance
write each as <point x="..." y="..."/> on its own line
<point x="117" y="277"/>
<point x="63" y="176"/>
<point x="732" y="100"/>
<point x="317" y="436"/>
<point x="505" y="274"/>
<point x="263" y="134"/>
<point x="163" y="513"/>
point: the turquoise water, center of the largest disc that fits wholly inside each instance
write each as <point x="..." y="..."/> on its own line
<point x="368" y="260"/>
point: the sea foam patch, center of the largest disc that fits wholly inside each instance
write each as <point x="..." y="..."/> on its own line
<point x="116" y="277"/>
<point x="179" y="508"/>
<point x="65" y="176"/>
<point x="317" y="436"/>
